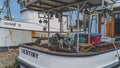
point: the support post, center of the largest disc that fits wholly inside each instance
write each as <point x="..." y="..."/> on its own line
<point x="78" y="29"/>
<point x="61" y="25"/>
<point x="71" y="19"/>
<point x="89" y="24"/>
<point x="48" y="29"/>
<point x="89" y="27"/>
<point x="79" y="9"/>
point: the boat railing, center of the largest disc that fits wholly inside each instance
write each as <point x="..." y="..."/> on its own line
<point x="67" y="54"/>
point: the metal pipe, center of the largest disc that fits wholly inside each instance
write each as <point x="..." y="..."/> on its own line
<point x="89" y="27"/>
<point x="71" y="18"/>
<point x="79" y="9"/>
<point x="48" y="29"/>
<point x="78" y="29"/>
<point x="90" y="12"/>
<point x="60" y="19"/>
<point x="68" y="5"/>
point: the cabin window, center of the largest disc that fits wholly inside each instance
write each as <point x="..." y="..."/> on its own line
<point x="119" y="16"/>
<point x="116" y="16"/>
<point x="110" y="18"/>
<point x="117" y="25"/>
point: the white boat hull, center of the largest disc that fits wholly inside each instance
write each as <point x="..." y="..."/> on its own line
<point x="44" y="60"/>
<point x="13" y="37"/>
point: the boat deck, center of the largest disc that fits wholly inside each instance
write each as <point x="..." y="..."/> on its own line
<point x="84" y="51"/>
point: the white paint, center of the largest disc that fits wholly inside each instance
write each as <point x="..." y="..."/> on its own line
<point x="31" y="17"/>
<point x="16" y="38"/>
<point x="103" y="27"/>
<point x="29" y="26"/>
<point x="31" y="22"/>
<point x="51" y="61"/>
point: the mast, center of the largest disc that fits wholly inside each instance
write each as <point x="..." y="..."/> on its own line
<point x="7" y="9"/>
<point x="8" y="16"/>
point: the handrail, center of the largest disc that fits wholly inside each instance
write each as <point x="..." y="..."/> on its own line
<point x="75" y="54"/>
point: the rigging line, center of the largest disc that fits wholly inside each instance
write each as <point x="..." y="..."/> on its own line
<point x="2" y="8"/>
<point x="10" y="10"/>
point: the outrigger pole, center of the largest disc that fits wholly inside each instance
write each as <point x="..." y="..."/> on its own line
<point x="78" y="16"/>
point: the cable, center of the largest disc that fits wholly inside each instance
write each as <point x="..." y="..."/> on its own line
<point x="2" y="8"/>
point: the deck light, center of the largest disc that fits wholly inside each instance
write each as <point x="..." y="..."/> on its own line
<point x="56" y="15"/>
<point x="44" y="28"/>
<point x="40" y="21"/>
<point x="51" y="15"/>
<point x="45" y="21"/>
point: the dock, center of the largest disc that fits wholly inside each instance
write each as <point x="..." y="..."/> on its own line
<point x="7" y="59"/>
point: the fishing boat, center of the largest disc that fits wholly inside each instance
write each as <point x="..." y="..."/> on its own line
<point x="9" y="37"/>
<point x="32" y="24"/>
<point x="78" y="50"/>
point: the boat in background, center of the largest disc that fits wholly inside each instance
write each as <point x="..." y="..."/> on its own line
<point x="14" y="33"/>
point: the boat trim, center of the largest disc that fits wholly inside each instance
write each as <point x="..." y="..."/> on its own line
<point x="66" y="54"/>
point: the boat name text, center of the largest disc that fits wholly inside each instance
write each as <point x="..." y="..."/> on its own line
<point x="12" y="24"/>
<point x="29" y="53"/>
